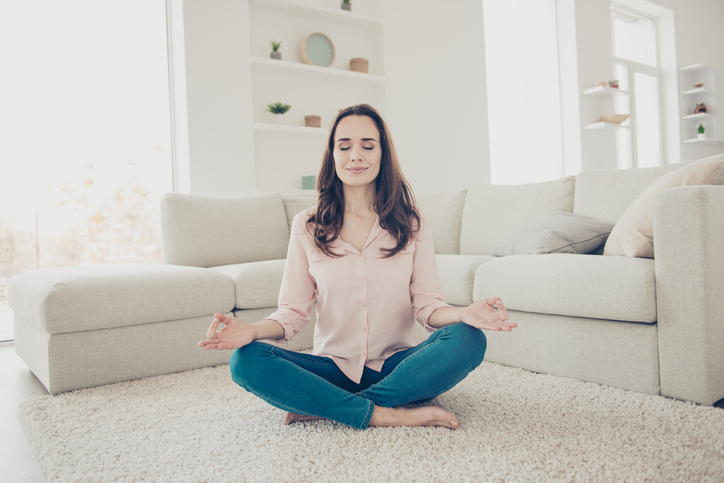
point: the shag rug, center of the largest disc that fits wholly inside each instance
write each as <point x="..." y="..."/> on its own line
<point x="199" y="426"/>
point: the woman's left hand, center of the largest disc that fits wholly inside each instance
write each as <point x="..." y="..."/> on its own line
<point x="482" y="315"/>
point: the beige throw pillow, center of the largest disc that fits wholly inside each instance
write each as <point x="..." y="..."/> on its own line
<point x="632" y="236"/>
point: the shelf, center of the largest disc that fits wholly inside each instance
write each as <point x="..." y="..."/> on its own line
<point x="605" y="91"/>
<point x="263" y="127"/>
<point x="708" y="142"/>
<point x="697" y="91"/>
<point x="604" y="126"/>
<point x="701" y="115"/>
<point x="338" y="16"/>
<point x="695" y="68"/>
<point x="261" y="64"/>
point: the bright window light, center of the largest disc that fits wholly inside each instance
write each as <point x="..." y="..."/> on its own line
<point x="635" y="66"/>
<point x="86" y="150"/>
<point x="523" y="91"/>
<point x="634" y="36"/>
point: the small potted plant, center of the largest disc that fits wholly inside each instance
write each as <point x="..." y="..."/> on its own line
<point x="278" y="109"/>
<point x="700" y="131"/>
<point x="346" y="5"/>
<point x="275" y="54"/>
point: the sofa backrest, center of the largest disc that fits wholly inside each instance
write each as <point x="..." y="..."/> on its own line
<point x="604" y="194"/>
<point x="208" y="231"/>
<point x="492" y="211"/>
<point x="445" y="212"/>
<point x="294" y="204"/>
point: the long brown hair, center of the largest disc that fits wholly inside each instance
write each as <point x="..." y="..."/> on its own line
<point x="394" y="202"/>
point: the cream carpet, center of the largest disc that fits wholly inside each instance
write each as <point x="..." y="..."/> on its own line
<point x="199" y="426"/>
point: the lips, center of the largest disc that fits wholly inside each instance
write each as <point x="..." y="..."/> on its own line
<point x="357" y="170"/>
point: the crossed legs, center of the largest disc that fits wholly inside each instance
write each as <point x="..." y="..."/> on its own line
<point x="312" y="387"/>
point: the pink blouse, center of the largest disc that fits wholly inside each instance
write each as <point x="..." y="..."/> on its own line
<point x="366" y="305"/>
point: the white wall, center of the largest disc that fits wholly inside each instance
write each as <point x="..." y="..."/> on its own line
<point x="595" y="60"/>
<point x="435" y="96"/>
<point x="218" y="97"/>
<point x="698" y="31"/>
<point x="700" y="39"/>
<point x="436" y="92"/>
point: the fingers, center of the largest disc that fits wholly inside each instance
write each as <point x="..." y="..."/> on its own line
<point x="497" y="302"/>
<point x="211" y="333"/>
<point x="212" y="345"/>
<point x="214" y="327"/>
<point x="502" y="311"/>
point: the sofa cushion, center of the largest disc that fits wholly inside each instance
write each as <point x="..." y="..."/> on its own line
<point x="633" y="235"/>
<point x="457" y="274"/>
<point x="612" y="288"/>
<point x="561" y="232"/>
<point x="445" y="212"/>
<point x="257" y="283"/>
<point x="208" y="231"/>
<point x="294" y="204"/>
<point x="74" y="299"/>
<point x="491" y="211"/>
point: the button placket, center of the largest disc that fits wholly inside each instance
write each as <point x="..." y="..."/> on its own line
<point x="364" y="315"/>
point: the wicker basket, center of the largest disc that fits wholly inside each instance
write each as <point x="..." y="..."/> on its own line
<point x="358" y="64"/>
<point x="313" y="121"/>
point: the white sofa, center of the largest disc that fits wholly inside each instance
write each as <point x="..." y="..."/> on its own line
<point x="649" y="325"/>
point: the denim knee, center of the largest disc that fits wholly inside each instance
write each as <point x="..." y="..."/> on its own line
<point x="470" y="342"/>
<point x="243" y="362"/>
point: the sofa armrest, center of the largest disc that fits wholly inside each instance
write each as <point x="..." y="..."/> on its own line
<point x="689" y="248"/>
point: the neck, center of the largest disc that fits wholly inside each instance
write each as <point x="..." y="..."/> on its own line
<point x="359" y="200"/>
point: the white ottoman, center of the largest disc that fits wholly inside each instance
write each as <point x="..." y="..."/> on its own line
<point x="87" y="326"/>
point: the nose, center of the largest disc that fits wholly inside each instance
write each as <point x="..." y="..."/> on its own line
<point x="356" y="154"/>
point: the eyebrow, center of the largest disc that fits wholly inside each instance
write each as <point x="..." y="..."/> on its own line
<point x="363" y="139"/>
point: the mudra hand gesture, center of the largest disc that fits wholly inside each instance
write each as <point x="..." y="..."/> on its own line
<point x="235" y="334"/>
<point x="482" y="315"/>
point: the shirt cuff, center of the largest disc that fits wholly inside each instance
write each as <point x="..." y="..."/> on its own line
<point x="288" y="332"/>
<point x="427" y="312"/>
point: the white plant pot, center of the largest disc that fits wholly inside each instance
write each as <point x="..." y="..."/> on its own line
<point x="701" y="135"/>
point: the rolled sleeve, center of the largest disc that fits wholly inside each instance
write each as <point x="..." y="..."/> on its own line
<point x="297" y="294"/>
<point x="426" y="292"/>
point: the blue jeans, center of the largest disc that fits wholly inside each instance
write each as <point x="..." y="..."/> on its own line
<point x="314" y="385"/>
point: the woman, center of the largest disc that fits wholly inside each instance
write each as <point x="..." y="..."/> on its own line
<point x="365" y="254"/>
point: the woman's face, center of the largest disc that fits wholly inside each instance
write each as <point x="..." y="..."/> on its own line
<point x="357" y="150"/>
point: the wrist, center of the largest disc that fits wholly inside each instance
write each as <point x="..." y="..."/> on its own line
<point x="443" y="316"/>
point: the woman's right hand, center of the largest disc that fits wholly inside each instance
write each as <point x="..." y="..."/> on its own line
<point x="235" y="334"/>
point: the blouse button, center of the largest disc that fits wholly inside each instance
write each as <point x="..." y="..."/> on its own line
<point x="363" y="279"/>
<point x="364" y="304"/>
<point x="364" y="329"/>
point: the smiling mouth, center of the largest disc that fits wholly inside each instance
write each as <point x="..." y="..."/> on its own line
<point x="357" y="170"/>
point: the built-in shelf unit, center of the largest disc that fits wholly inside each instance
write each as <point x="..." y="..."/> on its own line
<point x="607" y="92"/>
<point x="692" y="93"/>
<point x="285" y="149"/>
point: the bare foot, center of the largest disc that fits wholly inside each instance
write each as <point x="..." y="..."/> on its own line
<point x="293" y="418"/>
<point x="422" y="416"/>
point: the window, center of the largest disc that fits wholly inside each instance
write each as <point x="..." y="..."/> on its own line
<point x="86" y="149"/>
<point x="523" y="91"/>
<point x="636" y="68"/>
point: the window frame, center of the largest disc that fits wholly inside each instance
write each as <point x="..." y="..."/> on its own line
<point x="633" y="67"/>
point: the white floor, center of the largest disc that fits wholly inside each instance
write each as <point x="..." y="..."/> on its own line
<point x="17" y="383"/>
<point x="6" y="323"/>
